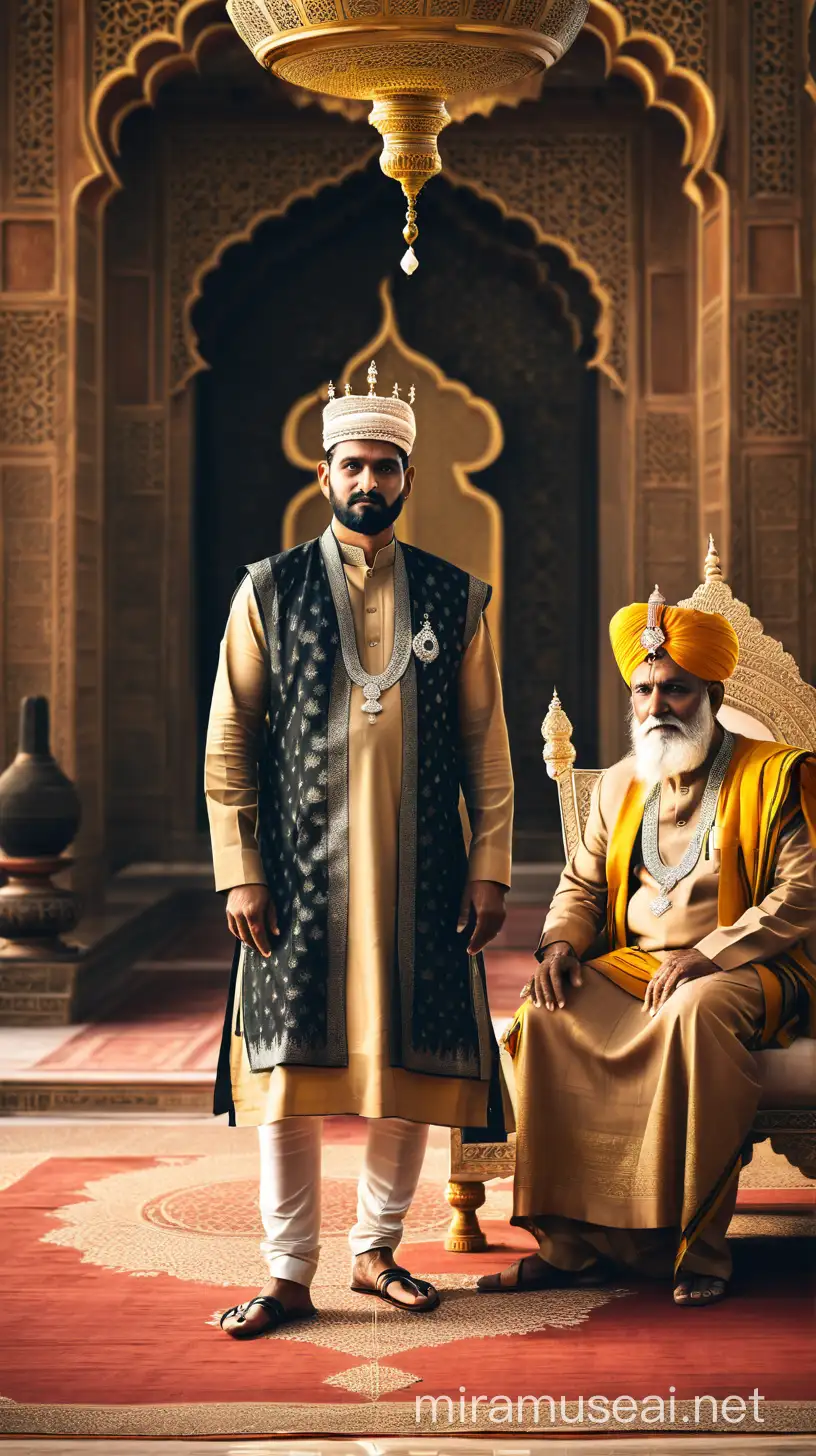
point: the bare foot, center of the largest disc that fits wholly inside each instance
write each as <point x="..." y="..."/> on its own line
<point x="245" y="1323"/>
<point x="368" y="1266"/>
<point x="700" y="1289"/>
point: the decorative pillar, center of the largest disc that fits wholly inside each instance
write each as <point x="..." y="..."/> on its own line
<point x="32" y="364"/>
<point x="772" y="322"/>
<point x="666" y="427"/>
<point x="50" y="500"/>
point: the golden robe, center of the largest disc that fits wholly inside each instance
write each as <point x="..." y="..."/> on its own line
<point x="630" y="1127"/>
<point x="369" y="1085"/>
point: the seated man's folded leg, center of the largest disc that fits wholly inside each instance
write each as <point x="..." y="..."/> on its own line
<point x="616" y="1144"/>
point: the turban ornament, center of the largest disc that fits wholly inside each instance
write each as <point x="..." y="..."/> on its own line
<point x="702" y="643"/>
<point x="653" y="635"/>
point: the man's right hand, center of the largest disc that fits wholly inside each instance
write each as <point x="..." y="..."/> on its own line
<point x="558" y="968"/>
<point x="251" y="916"/>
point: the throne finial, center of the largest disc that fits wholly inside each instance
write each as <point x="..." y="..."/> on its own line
<point x="713" y="569"/>
<point x="556" y="730"/>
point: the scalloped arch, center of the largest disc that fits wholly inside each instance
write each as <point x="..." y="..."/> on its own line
<point x="602" y="331"/>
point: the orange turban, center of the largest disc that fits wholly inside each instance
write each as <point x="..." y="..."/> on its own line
<point x="702" y="643"/>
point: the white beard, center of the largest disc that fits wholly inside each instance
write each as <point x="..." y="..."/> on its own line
<point x="663" y="752"/>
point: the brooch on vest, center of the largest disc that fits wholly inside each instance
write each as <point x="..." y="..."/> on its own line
<point x="425" y="644"/>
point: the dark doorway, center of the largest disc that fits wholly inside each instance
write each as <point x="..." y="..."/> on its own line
<point x="494" y="310"/>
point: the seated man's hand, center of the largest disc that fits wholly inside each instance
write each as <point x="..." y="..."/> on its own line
<point x="251" y="916"/>
<point x="678" y="967"/>
<point x="558" y="968"/>
<point x="485" y="899"/>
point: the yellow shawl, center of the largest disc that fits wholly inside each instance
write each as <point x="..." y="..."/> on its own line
<point x="750" y="818"/>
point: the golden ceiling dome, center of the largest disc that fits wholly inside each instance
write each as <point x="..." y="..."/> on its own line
<point x="408" y="57"/>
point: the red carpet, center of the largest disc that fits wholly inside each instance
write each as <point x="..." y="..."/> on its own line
<point x="106" y="1325"/>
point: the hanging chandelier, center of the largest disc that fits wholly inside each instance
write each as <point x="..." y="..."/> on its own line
<point x="408" y="57"/>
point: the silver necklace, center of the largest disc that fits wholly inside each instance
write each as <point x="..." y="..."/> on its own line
<point x="667" y="876"/>
<point x="373" y="685"/>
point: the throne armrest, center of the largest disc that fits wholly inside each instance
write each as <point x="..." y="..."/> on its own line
<point x="574" y="785"/>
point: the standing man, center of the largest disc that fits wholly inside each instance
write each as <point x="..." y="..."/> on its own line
<point x="681" y="938"/>
<point x="357" y="689"/>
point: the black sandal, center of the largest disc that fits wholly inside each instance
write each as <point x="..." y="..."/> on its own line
<point x="388" y="1276"/>
<point x="534" y="1273"/>
<point x="273" y="1307"/>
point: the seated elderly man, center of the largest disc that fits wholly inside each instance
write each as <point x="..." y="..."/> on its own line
<point x="681" y="938"/>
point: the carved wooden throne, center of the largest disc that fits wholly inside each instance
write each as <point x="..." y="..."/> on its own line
<point x="766" y="698"/>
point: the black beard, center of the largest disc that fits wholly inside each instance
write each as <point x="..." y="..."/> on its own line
<point x="371" y="520"/>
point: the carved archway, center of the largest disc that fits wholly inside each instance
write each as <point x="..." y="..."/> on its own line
<point x="573" y="258"/>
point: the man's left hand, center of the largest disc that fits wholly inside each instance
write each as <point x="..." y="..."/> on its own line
<point x="678" y="967"/>
<point x="486" y="899"/>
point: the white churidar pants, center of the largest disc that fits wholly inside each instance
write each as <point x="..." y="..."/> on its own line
<point x="290" y="1190"/>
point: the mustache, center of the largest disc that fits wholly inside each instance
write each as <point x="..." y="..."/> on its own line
<point x="651" y="724"/>
<point x="372" y="499"/>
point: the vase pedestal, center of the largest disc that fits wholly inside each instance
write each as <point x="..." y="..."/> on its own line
<point x="35" y="913"/>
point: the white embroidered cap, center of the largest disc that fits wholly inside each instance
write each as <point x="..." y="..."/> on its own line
<point x="369" y="416"/>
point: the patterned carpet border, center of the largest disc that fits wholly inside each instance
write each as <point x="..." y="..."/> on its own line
<point x="382" y="1418"/>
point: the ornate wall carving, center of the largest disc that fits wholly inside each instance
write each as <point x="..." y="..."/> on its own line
<point x="774" y="122"/>
<point x="218" y="184"/>
<point x="666" y="449"/>
<point x="774" y="509"/>
<point x="771" y="351"/>
<point x="685" y="24"/>
<point x="667" y="508"/>
<point x="119" y="24"/>
<point x="33" y="150"/>
<point x="26" y="501"/>
<point x="32" y="342"/>
<point x="575" y="186"/>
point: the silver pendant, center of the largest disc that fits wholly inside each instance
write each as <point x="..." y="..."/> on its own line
<point x="661" y="904"/>
<point x="426" y="645"/>
<point x="371" y="700"/>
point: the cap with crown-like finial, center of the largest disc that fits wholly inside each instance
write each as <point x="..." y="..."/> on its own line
<point x="370" y="416"/>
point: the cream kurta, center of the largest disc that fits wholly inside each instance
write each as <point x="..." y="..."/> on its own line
<point x="369" y="1085"/>
<point x="625" y="1122"/>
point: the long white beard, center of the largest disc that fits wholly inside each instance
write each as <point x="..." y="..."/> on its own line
<point x="663" y="752"/>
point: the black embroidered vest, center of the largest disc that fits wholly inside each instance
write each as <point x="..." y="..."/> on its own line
<point x="293" y="1009"/>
